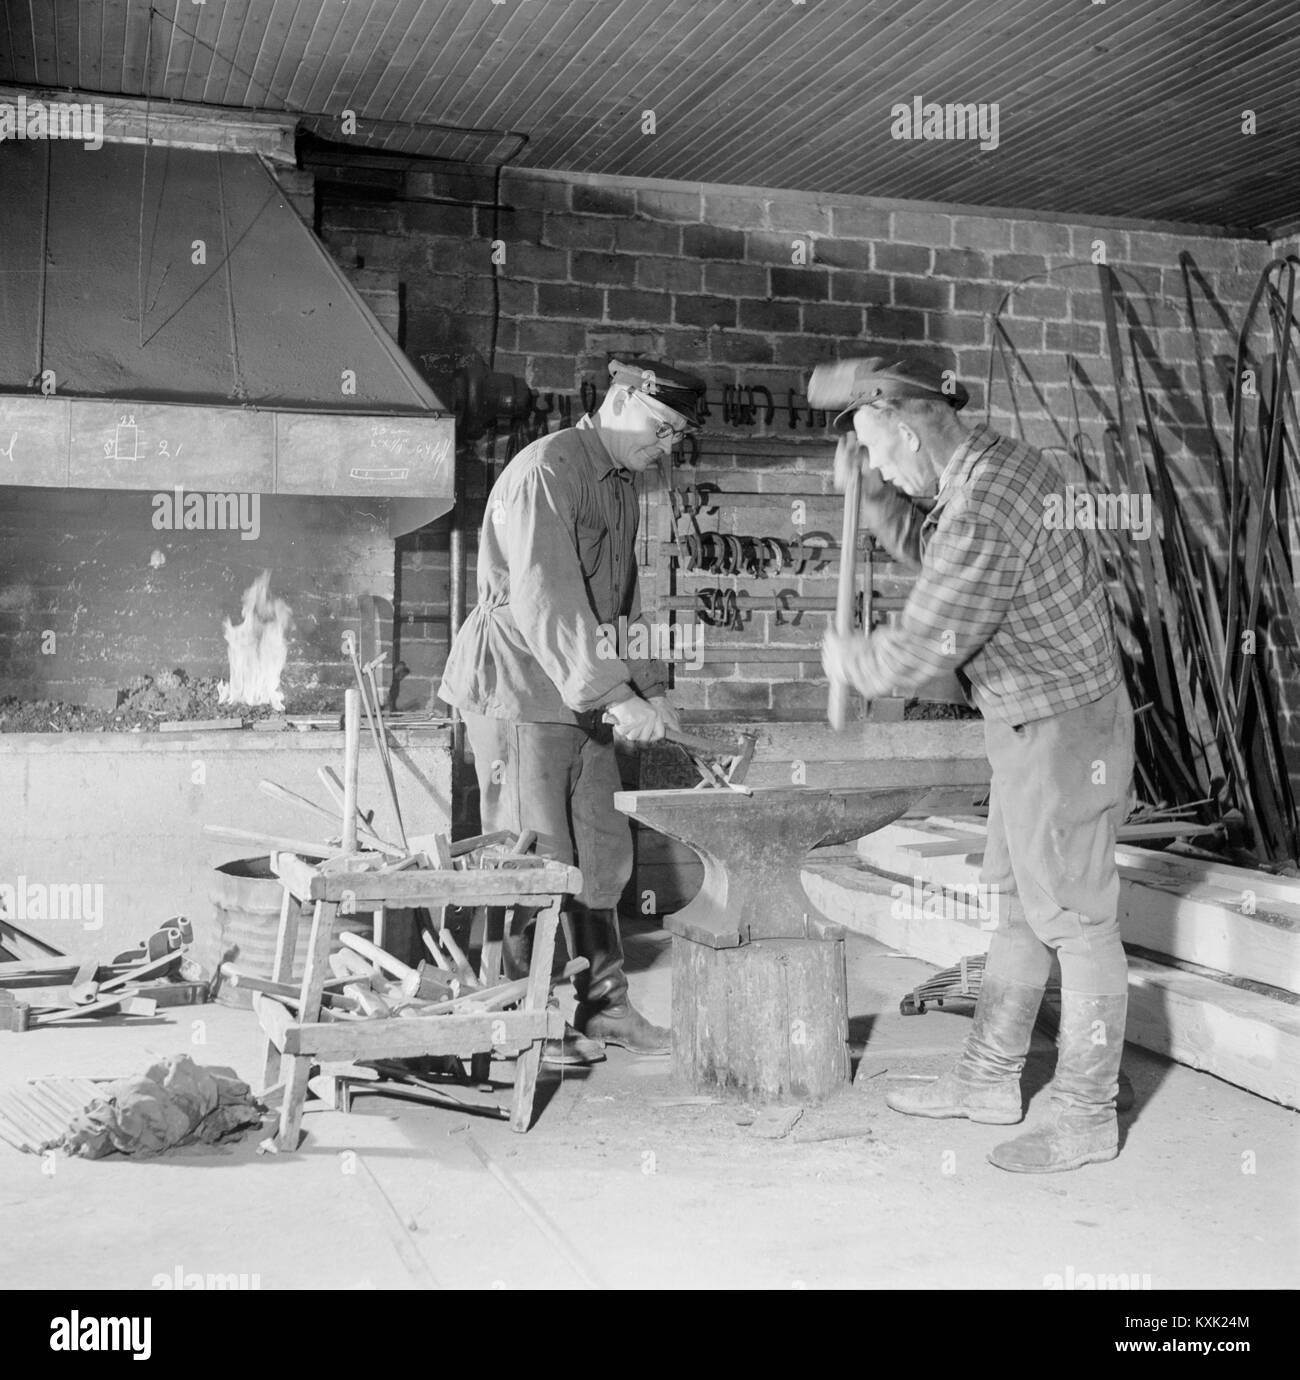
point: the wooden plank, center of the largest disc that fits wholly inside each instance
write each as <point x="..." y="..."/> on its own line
<point x="29" y="947"/>
<point x="942" y="848"/>
<point x="402" y="1039"/>
<point x="425" y="887"/>
<point x="535" y="1000"/>
<point x="199" y="725"/>
<point x="274" y="1018"/>
<point x="269" y="842"/>
<point x="1242" y="1037"/>
<point x="315" y="972"/>
<point x="1231" y="878"/>
<point x="1162" y="911"/>
<point x="286" y="946"/>
<point x="122" y="1002"/>
<point x="973" y="842"/>
<point x="296" y="874"/>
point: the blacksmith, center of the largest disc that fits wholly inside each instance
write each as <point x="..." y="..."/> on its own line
<point x="536" y="679"/>
<point x="1018" y="608"/>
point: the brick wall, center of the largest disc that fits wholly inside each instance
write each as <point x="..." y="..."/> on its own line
<point x="756" y="286"/>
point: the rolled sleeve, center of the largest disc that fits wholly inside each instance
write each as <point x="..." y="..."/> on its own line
<point x="969" y="579"/>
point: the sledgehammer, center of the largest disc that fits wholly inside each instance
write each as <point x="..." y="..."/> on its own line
<point x="831" y="386"/>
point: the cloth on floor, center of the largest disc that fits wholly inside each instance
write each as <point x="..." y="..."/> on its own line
<point x="174" y="1102"/>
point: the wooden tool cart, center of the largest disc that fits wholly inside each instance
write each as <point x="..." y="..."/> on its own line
<point x="296" y="1039"/>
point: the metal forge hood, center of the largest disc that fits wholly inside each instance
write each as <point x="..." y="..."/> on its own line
<point x="166" y="318"/>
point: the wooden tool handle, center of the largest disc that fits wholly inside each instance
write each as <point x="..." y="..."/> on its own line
<point x="837" y="709"/>
<point x="376" y="955"/>
<point x="351" y="761"/>
<point x="274" y="842"/>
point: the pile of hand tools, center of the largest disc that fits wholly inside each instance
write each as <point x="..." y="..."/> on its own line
<point x="41" y="986"/>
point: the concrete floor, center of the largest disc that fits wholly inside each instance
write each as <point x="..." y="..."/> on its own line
<point x="640" y="1192"/>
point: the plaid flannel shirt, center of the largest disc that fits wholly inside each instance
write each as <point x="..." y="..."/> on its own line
<point x="1017" y="608"/>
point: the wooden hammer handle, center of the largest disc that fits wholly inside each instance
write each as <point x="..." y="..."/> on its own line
<point x="376" y="955"/>
<point x="837" y="709"/>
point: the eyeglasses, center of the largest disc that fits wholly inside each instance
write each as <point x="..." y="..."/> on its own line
<point x="666" y="429"/>
<point x="663" y="429"/>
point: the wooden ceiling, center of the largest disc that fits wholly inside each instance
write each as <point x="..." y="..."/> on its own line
<point x="1127" y="108"/>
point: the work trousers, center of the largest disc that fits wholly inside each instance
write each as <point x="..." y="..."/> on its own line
<point x="1060" y="791"/>
<point x="559" y="780"/>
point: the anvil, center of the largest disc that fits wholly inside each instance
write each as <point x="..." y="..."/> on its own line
<point x="753" y="848"/>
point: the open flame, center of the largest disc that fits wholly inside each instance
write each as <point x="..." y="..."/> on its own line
<point x="257" y="647"/>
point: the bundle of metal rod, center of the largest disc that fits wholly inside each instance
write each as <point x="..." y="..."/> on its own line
<point x="1205" y="642"/>
<point x="1208" y="727"/>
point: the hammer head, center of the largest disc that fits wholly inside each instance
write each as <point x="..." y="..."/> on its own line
<point x="14" y="1014"/>
<point x="835" y="385"/>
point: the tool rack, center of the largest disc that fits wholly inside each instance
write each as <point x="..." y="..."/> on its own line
<point x="296" y="1039"/>
<point x="725" y="593"/>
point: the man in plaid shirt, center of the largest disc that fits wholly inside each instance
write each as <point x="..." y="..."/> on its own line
<point x="1017" y="608"/>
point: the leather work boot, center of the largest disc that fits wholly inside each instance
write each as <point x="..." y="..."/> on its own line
<point x="605" y="1013"/>
<point x="984" y="1085"/>
<point x="572" y="1050"/>
<point x="1082" y="1127"/>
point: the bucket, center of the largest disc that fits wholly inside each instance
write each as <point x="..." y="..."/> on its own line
<point x="245" y="923"/>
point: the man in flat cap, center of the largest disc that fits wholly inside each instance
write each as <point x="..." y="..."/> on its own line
<point x="1019" y="610"/>
<point x="537" y="682"/>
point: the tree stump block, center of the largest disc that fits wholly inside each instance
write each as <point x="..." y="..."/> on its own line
<point x="768" y="1020"/>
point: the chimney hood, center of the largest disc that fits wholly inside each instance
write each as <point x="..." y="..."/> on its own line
<point x="169" y="320"/>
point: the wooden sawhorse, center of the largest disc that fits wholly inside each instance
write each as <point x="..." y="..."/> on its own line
<point x="295" y="1040"/>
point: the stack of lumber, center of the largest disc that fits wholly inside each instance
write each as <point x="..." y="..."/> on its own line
<point x="35" y="1116"/>
<point x="1214" y="950"/>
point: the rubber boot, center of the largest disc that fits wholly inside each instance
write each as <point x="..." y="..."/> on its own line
<point x="571" y="1050"/>
<point x="985" y="1083"/>
<point x="605" y="1012"/>
<point x="1081" y="1127"/>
